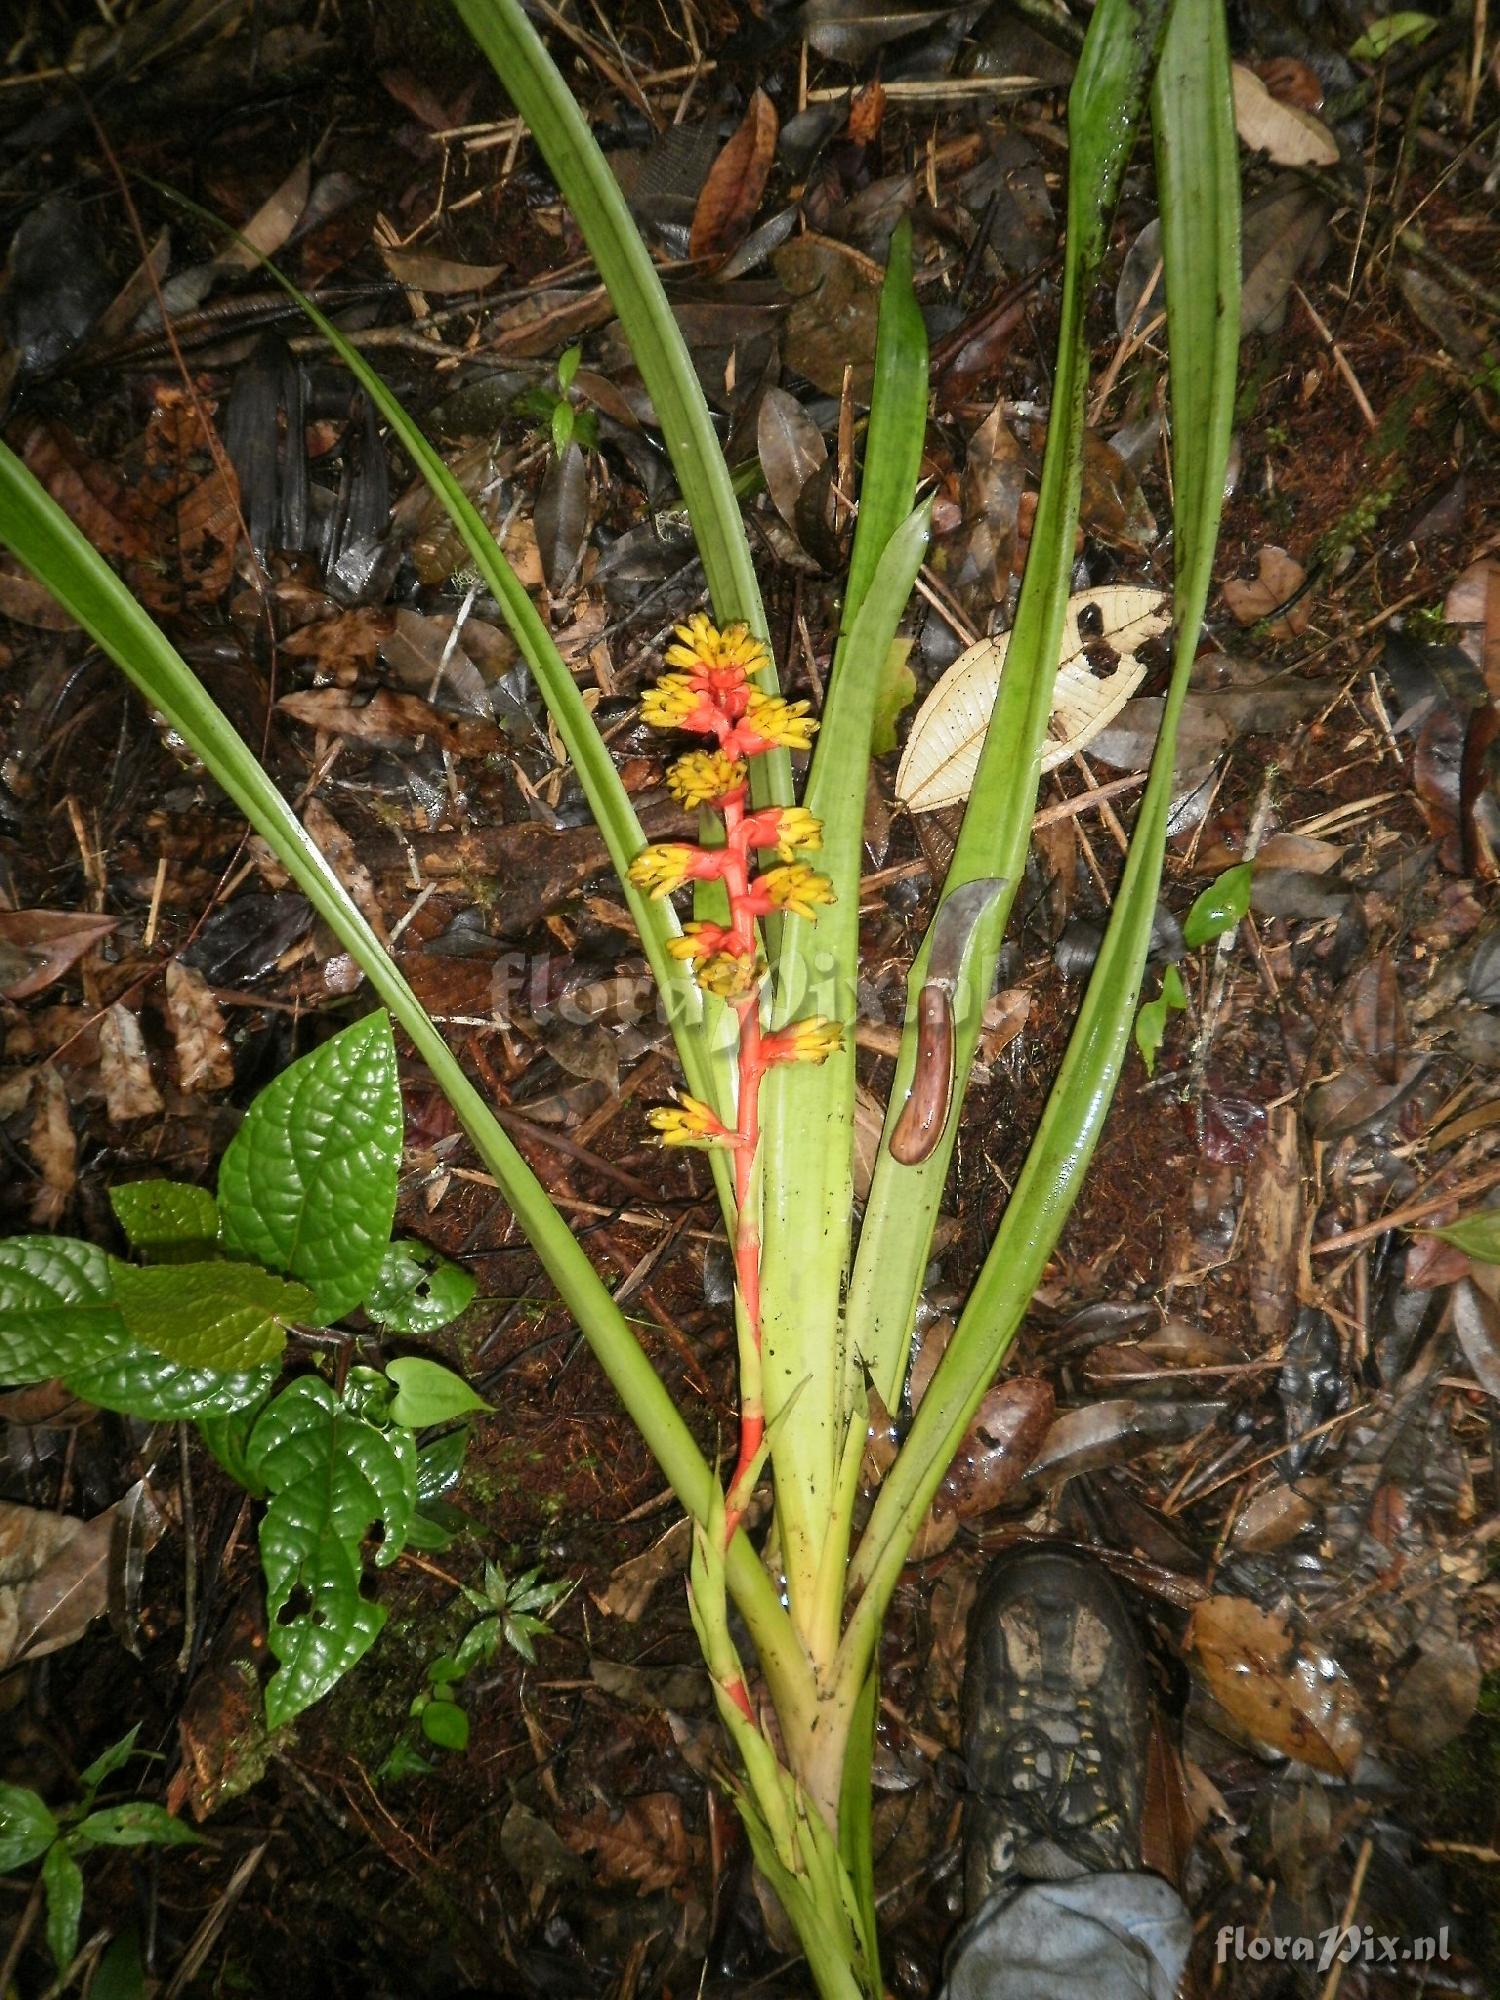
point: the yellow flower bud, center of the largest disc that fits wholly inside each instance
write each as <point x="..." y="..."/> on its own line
<point x="703" y="777"/>
<point x="796" y="888"/>
<point x="661" y="869"/>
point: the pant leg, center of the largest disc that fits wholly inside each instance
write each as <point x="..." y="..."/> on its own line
<point x="1107" y="1937"/>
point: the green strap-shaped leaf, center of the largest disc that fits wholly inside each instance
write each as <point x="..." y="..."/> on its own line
<point x="308" y="1183"/>
<point x="332" y="1478"/>
<point x="417" y="1291"/>
<point x="166" y="1221"/>
<point x="218" y="1315"/>
<point x="57" y="1308"/>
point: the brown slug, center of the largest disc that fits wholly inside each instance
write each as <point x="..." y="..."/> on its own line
<point x="925" y="1111"/>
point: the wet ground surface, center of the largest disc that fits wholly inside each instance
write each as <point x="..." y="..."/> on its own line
<point x="1273" y="1397"/>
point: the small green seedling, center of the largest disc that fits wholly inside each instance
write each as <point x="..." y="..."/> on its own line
<point x="298" y="1237"/>
<point x="568" y="423"/>
<point x="514" y="1612"/>
<point x="1217" y="910"/>
<point x="30" y="1831"/>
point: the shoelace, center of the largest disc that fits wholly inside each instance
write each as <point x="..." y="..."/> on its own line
<point x="1042" y="1806"/>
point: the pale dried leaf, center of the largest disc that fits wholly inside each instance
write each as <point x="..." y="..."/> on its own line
<point x="125" y="1068"/>
<point x="204" y="1060"/>
<point x="630" y="1585"/>
<point x="339" y="851"/>
<point x="52" y="940"/>
<point x="53" y="1147"/>
<point x="947" y="737"/>
<point x="1280" y="578"/>
<point x="1285" y="132"/>
<point x="271" y="224"/>
<point x="438" y="275"/>
<point x="54" y="1579"/>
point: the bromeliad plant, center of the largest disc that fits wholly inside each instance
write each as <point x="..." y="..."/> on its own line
<point x="760" y="984"/>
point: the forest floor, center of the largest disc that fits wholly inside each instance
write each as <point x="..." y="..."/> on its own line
<point x="1273" y="1389"/>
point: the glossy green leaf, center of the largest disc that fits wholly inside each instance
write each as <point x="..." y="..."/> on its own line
<point x="1151" y="1021"/>
<point x="27" y="1829"/>
<point x="57" y="1308"/>
<point x="417" y="1291"/>
<point x="403" y="1762"/>
<point x="137" y="1823"/>
<point x="567" y="367"/>
<point x="220" y="1315"/>
<point x="1477" y="1235"/>
<point x="120" y="1976"/>
<point x="428" y="1393"/>
<point x="167" y="1221"/>
<point x="1222" y="905"/>
<point x="308" y="1183"/>
<point x="333" y="1478"/>
<point x="439" y="1465"/>
<point x="92" y="1776"/>
<point x="227" y="1435"/>
<point x="137" y="1383"/>
<point x="62" y="1879"/>
<point x="445" y="1724"/>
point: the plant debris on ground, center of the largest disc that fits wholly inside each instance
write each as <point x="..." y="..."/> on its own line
<point x="1258" y="1380"/>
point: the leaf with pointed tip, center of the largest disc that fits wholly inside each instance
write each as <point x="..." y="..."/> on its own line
<point x="137" y="1823"/>
<point x="1219" y="907"/>
<point x="63" y="1880"/>
<point x="166" y="1221"/>
<point x="217" y="1315"/>
<point x="308" y="1183"/>
<point x="332" y="1477"/>
<point x="137" y="1383"/>
<point x="27" y="1829"/>
<point x="417" y="1291"/>
<point x="428" y="1393"/>
<point x="57" y="1308"/>
<point x="108" y="1762"/>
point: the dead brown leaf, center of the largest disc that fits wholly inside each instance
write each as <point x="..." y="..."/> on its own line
<point x="736" y="181"/>
<point x="54" y="1577"/>
<point x="28" y="602"/>
<point x="391" y="721"/>
<point x="1279" y="578"/>
<point x="643" y="1841"/>
<point x="339" y="851"/>
<point x="54" y="940"/>
<point x="125" y="1068"/>
<point x="866" y="111"/>
<point x="53" y="1147"/>
<point x="629" y="1589"/>
<point x="1273" y="1223"/>
<point x="204" y="1060"/>
<point x="1292" y="1697"/>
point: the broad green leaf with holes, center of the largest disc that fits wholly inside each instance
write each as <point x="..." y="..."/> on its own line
<point x="62" y="1878"/>
<point x="428" y="1393"/>
<point x="417" y="1291"/>
<point x="308" y="1183"/>
<point x="137" y="1823"/>
<point x="1220" y="907"/>
<point x="27" y="1829"/>
<point x="57" y="1308"/>
<point x="137" y="1383"/>
<point x="168" y="1222"/>
<point x="219" y="1315"/>
<point x="333" y="1478"/>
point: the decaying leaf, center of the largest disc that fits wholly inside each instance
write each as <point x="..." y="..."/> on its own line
<point x="390" y="721"/>
<point x="1291" y="1697"/>
<point x="1279" y="579"/>
<point x="39" y="946"/>
<point x="736" y="181"/>
<point x="342" y="855"/>
<point x="1288" y="134"/>
<point x="1109" y="1433"/>
<point x="644" y="1842"/>
<point x="835" y="295"/>
<point x="1476" y="1320"/>
<point x="630" y="1585"/>
<point x="125" y="1068"/>
<point x="1436" y="1699"/>
<point x="947" y="737"/>
<point x="55" y="1574"/>
<point x="53" y="1146"/>
<point x="204" y="1060"/>
<point x="791" y="449"/>
<point x="438" y="275"/>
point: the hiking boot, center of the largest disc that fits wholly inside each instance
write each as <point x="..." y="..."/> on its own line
<point x="1056" y="1714"/>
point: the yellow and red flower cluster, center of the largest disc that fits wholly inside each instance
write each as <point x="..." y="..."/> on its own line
<point x="709" y="690"/>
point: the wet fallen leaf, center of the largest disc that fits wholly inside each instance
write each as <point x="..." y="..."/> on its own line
<point x="1110" y="1433"/>
<point x="643" y="1841"/>
<point x="630" y="1585"/>
<point x="54" y="1577"/>
<point x="1476" y="1321"/>
<point x="736" y="181"/>
<point x="1279" y="578"/>
<point x="391" y="721"/>
<point x="54" y="1148"/>
<point x="1293" y="1698"/>
<point x="942" y="753"/>
<point x="1272" y="1519"/>
<point x="125" y="1068"/>
<point x="204" y="1059"/>
<point x="1273" y="1223"/>
<point x="1436" y="1699"/>
<point x="835" y="302"/>
<point x="438" y="275"/>
<point x="1002" y="1440"/>
<point x="849" y="30"/>
<point x="791" y="449"/>
<point x="46" y="943"/>
<point x="1285" y="132"/>
<point x="342" y="855"/>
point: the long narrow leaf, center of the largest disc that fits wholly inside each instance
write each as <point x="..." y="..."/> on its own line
<point x="1104" y="112"/>
<point x="1197" y="175"/>
<point x="51" y="547"/>
<point x="530" y="77"/>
